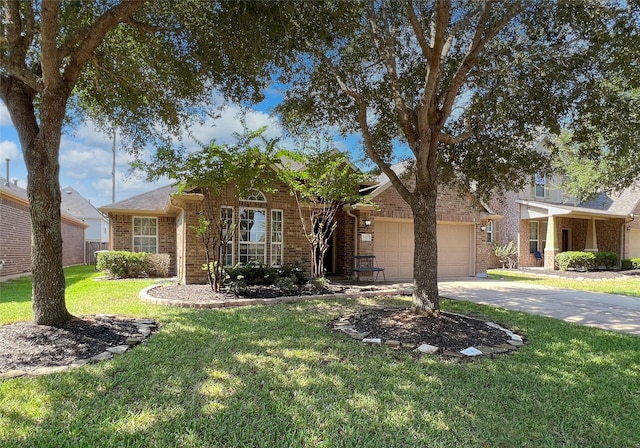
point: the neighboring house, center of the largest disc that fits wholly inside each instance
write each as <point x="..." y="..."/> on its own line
<point x="268" y="229"/>
<point x="77" y="206"/>
<point x="543" y="221"/>
<point x="15" y="233"/>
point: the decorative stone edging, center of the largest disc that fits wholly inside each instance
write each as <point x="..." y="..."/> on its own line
<point x="147" y="297"/>
<point x="144" y="326"/>
<point x="514" y="343"/>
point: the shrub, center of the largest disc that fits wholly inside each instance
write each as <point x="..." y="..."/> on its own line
<point x="630" y="263"/>
<point x="122" y="264"/>
<point x="606" y="259"/>
<point x="294" y="271"/>
<point x="576" y="260"/>
<point x="253" y="273"/>
<point x="507" y="254"/>
<point x="158" y="265"/>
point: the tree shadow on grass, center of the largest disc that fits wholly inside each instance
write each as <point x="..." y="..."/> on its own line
<point x="276" y="376"/>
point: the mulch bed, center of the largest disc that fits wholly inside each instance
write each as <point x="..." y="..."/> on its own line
<point x="27" y="346"/>
<point x="448" y="331"/>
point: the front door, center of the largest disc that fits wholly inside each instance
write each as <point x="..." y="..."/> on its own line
<point x="566" y="240"/>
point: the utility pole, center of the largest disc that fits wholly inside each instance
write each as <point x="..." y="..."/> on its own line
<point x="113" y="169"/>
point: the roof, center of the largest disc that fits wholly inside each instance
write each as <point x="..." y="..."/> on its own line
<point x="12" y="189"/>
<point x="151" y="201"/>
<point x="76" y="205"/>
<point x="619" y="205"/>
<point x="623" y="202"/>
<point x="18" y="193"/>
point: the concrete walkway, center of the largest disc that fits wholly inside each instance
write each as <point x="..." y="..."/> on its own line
<point x="607" y="311"/>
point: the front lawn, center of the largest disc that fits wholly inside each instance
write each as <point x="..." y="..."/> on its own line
<point x="625" y="286"/>
<point x="276" y="376"/>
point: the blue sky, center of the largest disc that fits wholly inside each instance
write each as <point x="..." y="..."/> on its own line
<point x="86" y="155"/>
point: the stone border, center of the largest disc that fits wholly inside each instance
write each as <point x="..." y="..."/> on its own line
<point x="146" y="297"/>
<point x="514" y="343"/>
<point x="144" y="326"/>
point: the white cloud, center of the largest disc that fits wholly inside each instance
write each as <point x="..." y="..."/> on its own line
<point x="9" y="150"/>
<point x="5" y="119"/>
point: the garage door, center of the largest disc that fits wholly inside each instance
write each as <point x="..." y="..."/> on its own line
<point x="634" y="243"/>
<point x="393" y="246"/>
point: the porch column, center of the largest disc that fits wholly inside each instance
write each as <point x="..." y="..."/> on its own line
<point x="591" y="245"/>
<point x="551" y="248"/>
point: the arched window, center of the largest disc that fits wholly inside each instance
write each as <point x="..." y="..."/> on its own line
<point x="255" y="196"/>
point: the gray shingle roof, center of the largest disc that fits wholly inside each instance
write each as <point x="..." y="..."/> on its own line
<point x="76" y="205"/>
<point x="621" y="203"/>
<point x="12" y="188"/>
<point x="154" y="200"/>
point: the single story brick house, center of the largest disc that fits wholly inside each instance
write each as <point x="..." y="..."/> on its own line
<point x="268" y="229"/>
<point x="15" y="233"/>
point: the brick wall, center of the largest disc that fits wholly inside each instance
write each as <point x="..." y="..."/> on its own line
<point x="72" y="243"/>
<point x="15" y="239"/>
<point x="296" y="248"/>
<point x="121" y="235"/>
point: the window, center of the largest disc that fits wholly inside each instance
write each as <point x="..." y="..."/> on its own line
<point x="489" y="231"/>
<point x="255" y="196"/>
<point x="252" y="234"/>
<point x="541" y="186"/>
<point x="226" y="220"/>
<point x="145" y="235"/>
<point x="533" y="236"/>
<point x="276" y="237"/>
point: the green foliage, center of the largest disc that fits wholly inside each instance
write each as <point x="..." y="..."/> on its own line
<point x="256" y="273"/>
<point x="222" y="174"/>
<point x="606" y="259"/>
<point x="322" y="179"/>
<point x="631" y="263"/>
<point x="586" y="261"/>
<point x="507" y="254"/>
<point x="122" y="264"/>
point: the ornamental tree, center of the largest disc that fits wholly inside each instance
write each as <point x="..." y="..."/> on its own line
<point x="322" y="180"/>
<point x="222" y="174"/>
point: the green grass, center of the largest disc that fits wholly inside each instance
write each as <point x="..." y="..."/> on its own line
<point x="626" y="287"/>
<point x="275" y="376"/>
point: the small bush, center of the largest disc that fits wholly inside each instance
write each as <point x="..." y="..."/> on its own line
<point x="630" y="263"/>
<point x="606" y="259"/>
<point x="294" y="271"/>
<point x="582" y="261"/>
<point x="122" y="264"/>
<point x="158" y="265"/>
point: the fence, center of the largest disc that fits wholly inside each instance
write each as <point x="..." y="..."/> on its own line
<point x="90" y="250"/>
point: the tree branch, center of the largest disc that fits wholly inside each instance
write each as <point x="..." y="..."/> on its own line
<point x="449" y="139"/>
<point x="49" y="47"/>
<point x="384" y="42"/>
<point x="97" y="33"/>
<point x="148" y="28"/>
<point x="482" y="35"/>
<point x="20" y="72"/>
<point x="419" y="32"/>
<point x="438" y="31"/>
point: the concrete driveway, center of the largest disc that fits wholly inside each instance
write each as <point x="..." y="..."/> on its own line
<point x="606" y="311"/>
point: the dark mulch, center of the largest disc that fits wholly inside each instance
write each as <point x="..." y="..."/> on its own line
<point x="447" y="331"/>
<point x="27" y="346"/>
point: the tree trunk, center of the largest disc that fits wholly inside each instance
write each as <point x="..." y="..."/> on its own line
<point x="40" y="146"/>
<point x="425" y="256"/>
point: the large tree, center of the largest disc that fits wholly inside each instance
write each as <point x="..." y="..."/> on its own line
<point x="460" y="88"/>
<point x="140" y="65"/>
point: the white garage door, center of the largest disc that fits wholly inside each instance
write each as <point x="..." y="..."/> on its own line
<point x="634" y="243"/>
<point x="393" y="246"/>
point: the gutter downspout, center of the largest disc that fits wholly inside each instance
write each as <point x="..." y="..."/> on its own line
<point x="347" y="208"/>
<point x="624" y="235"/>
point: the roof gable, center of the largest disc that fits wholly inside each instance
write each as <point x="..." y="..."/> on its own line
<point x="76" y="205"/>
<point x="151" y="201"/>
